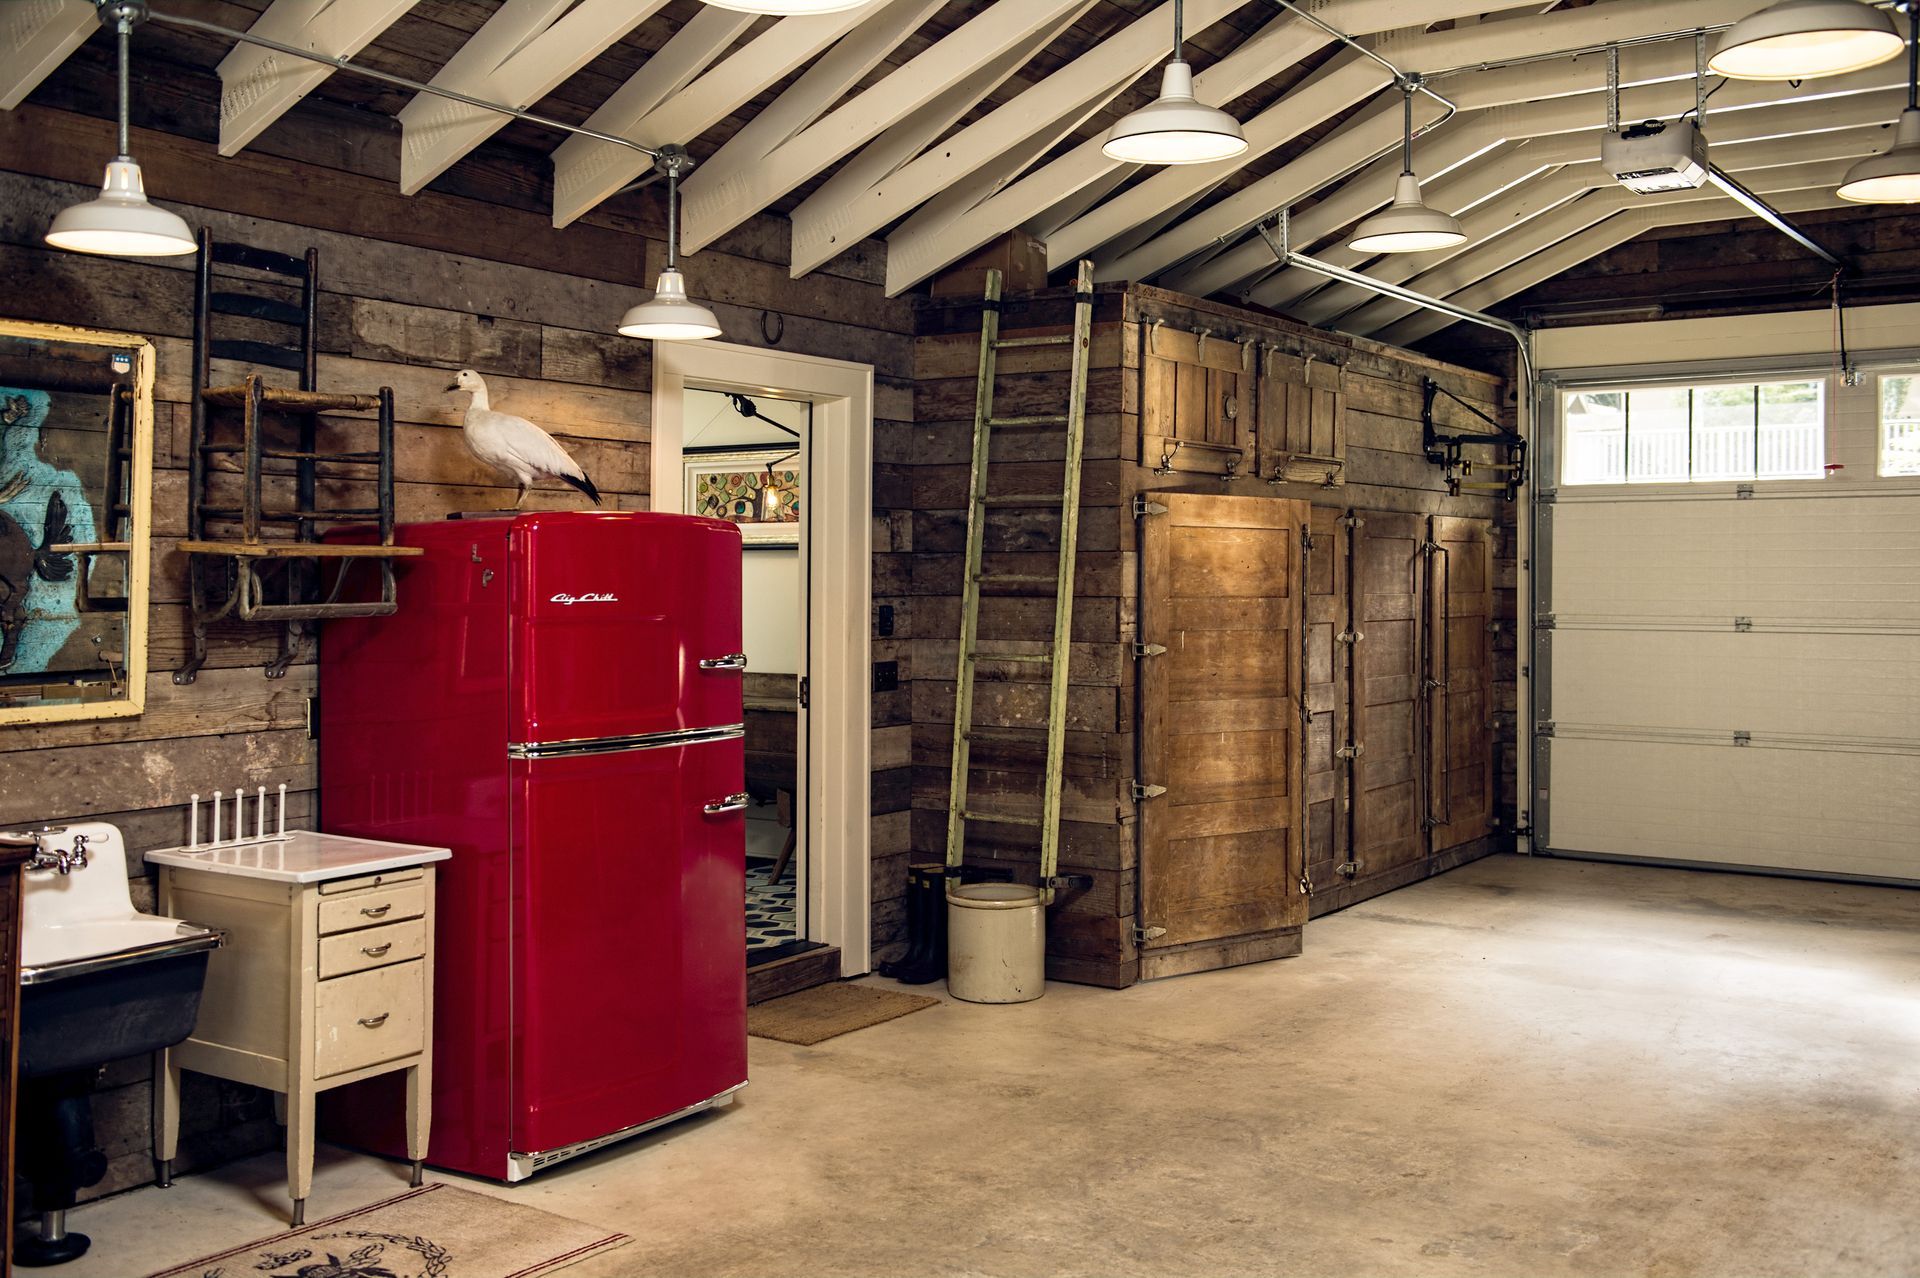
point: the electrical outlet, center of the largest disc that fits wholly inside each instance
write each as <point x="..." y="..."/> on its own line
<point x="883" y="621"/>
<point x="886" y="676"/>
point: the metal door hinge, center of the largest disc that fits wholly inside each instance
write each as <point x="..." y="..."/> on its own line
<point x="313" y="718"/>
<point x="1351" y="520"/>
<point x="1144" y="934"/>
<point x="1544" y="728"/>
<point x="1147" y="791"/>
<point x="1545" y="621"/>
<point x="1143" y="507"/>
<point x="1350" y="751"/>
<point x="1742" y="738"/>
<point x="1743" y="623"/>
<point x="1306" y="540"/>
<point x="805" y="694"/>
<point x="1149" y="649"/>
<point x="1348" y="868"/>
<point x="1743" y="491"/>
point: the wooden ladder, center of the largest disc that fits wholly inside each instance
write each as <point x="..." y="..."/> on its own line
<point x="979" y="502"/>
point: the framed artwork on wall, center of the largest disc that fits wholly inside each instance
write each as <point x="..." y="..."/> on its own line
<point x="756" y="488"/>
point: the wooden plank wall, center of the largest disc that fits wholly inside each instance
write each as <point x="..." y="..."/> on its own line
<point x="411" y="288"/>
<point x="1091" y="930"/>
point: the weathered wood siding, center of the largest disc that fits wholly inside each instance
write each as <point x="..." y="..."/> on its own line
<point x="1091" y="931"/>
<point x="470" y="274"/>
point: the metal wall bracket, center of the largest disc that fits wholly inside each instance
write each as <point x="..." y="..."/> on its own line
<point x="1142" y="507"/>
<point x="1147" y="791"/>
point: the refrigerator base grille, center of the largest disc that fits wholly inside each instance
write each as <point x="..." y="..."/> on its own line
<point x="521" y="1166"/>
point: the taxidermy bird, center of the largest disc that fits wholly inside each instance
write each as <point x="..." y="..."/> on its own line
<point x="514" y="444"/>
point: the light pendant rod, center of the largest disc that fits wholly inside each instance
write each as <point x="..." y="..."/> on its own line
<point x="671" y="158"/>
<point x="123" y="40"/>
<point x="402" y="82"/>
<point x="1406" y="129"/>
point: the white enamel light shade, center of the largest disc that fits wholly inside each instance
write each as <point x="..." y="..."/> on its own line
<point x="120" y="222"/>
<point x="790" y="7"/>
<point x="1407" y="225"/>
<point x="1893" y="176"/>
<point x="1175" y="128"/>
<point x="1805" y="40"/>
<point x="671" y="316"/>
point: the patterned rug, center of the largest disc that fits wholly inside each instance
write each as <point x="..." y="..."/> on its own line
<point x="435" y="1232"/>
<point x="770" y="915"/>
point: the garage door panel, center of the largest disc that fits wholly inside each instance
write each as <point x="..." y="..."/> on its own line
<point x="1860" y="686"/>
<point x="1823" y="559"/>
<point x="1829" y="812"/>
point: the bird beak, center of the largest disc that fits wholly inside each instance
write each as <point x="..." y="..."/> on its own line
<point x="454" y="387"/>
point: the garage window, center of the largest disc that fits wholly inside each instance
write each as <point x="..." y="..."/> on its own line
<point x="1702" y="433"/>
<point x="1900" y="424"/>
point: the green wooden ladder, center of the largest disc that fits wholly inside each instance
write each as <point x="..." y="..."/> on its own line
<point x="959" y="809"/>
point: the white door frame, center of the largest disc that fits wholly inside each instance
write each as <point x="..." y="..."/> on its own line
<point x="839" y="487"/>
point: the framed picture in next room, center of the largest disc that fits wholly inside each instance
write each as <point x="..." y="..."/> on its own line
<point x="756" y="488"/>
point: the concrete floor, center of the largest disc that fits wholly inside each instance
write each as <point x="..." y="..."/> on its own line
<point x="1524" y="1067"/>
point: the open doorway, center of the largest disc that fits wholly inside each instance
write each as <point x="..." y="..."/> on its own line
<point x="744" y="460"/>
<point x="825" y="698"/>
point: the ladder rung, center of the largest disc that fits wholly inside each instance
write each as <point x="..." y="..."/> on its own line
<point x="1006" y="736"/>
<point x="358" y="459"/>
<point x="1025" y="499"/>
<point x="1058" y="339"/>
<point x="1024" y="658"/>
<point x="1035" y="419"/>
<point x="998" y="818"/>
<point x="1015" y="579"/>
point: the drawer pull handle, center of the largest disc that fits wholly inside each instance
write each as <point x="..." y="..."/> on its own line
<point x="732" y="803"/>
<point x="375" y="1022"/>
<point x="375" y="951"/>
<point x="376" y="911"/>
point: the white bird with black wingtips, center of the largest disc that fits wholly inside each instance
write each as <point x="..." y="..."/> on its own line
<point x="514" y="444"/>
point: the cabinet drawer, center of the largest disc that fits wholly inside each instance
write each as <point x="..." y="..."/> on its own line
<point x="372" y="947"/>
<point x="386" y="878"/>
<point x="370" y="909"/>
<point x="369" y="1017"/>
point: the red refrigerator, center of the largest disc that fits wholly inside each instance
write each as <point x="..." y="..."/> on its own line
<point x="558" y="700"/>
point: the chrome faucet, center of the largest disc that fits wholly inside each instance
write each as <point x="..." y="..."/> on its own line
<point x="63" y="860"/>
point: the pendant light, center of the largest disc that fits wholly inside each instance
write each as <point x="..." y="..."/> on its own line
<point x="1175" y="128"/>
<point x="788" y="7"/>
<point x="671" y="316"/>
<point x="1893" y="177"/>
<point x="120" y="222"/>
<point x="1407" y="225"/>
<point x="1804" y="40"/>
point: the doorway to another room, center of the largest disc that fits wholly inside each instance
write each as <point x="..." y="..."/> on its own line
<point x="744" y="460"/>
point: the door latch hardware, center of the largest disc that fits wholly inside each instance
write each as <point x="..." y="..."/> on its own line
<point x="1350" y="751"/>
<point x="1149" y="649"/>
<point x="1351" y="520"/>
<point x="1348" y="636"/>
<point x="1147" y="791"/>
<point x="1349" y="868"/>
<point x="1143" y="507"/>
<point x="1148" y="933"/>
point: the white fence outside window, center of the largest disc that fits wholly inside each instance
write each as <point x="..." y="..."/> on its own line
<point x="1699" y="434"/>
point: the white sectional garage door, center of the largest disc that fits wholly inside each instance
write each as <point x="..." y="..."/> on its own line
<point x="1731" y="680"/>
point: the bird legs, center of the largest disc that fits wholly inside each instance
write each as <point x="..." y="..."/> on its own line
<point x="521" y="499"/>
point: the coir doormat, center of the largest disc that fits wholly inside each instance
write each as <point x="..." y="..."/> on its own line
<point x="828" y="1011"/>
<point x="435" y="1232"/>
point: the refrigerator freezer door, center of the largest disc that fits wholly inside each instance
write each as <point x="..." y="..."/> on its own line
<point x="613" y="617"/>
<point x="629" y="939"/>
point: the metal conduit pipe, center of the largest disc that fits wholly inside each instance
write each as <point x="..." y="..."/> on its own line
<point x="400" y="81"/>
<point x="1409" y="81"/>
<point x="1277" y="240"/>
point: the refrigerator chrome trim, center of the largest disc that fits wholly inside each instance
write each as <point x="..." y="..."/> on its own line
<point x="617" y="745"/>
<point x="521" y="1166"/>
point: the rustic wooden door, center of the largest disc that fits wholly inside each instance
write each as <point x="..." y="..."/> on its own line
<point x="1385" y="587"/>
<point x="1220" y="711"/>
<point x="1324" y="672"/>
<point x="1460" y="682"/>
<point x="1196" y="403"/>
<point x="1302" y="428"/>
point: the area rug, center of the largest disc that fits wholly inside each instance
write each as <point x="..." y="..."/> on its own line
<point x="828" y="1011"/>
<point x="434" y="1232"/>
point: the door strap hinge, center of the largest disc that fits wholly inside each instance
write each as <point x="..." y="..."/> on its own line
<point x="1147" y="791"/>
<point x="1143" y="507"/>
<point x="1350" y="751"/>
<point x="1149" y="649"/>
<point x="1148" y="933"/>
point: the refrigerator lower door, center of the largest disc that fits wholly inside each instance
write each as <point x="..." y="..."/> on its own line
<point x="629" y="988"/>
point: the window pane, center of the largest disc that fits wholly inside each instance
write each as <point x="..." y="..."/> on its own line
<point x="1723" y="432"/>
<point x="1657" y="436"/>
<point x="1596" y="438"/>
<point x="1792" y="415"/>
<point x="1900" y="425"/>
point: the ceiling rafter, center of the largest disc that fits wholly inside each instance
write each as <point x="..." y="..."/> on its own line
<point x="517" y="58"/>
<point x="37" y="38"/>
<point x="800" y="141"/>
<point x="258" y="86"/>
<point x="674" y="100"/>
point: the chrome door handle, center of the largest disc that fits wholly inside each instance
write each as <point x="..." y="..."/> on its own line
<point x="375" y="951"/>
<point x="376" y="911"/>
<point x="732" y="803"/>
<point x="375" y="1022"/>
<point x="732" y="661"/>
